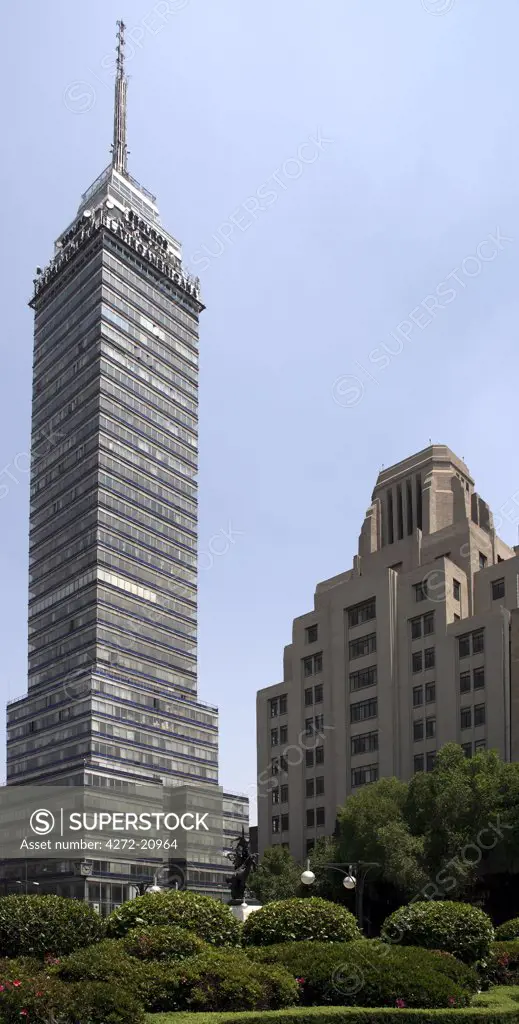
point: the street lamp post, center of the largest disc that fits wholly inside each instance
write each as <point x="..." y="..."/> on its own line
<point x="354" y="877"/>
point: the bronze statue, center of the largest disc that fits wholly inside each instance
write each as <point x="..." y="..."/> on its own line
<point x="244" y="862"/>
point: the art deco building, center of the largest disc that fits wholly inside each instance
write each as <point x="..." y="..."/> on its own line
<point x="112" y="695"/>
<point x="413" y="647"/>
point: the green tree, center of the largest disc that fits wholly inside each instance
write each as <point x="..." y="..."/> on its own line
<point x="372" y="828"/>
<point x="278" y="876"/>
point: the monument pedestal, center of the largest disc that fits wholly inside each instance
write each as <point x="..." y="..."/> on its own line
<point x="241" y="909"/>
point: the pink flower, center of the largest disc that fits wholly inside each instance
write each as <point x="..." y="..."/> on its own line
<point x="451" y="1001"/>
<point x="17" y="983"/>
<point x="400" y="1003"/>
<point x="300" y="981"/>
<point x="24" y="1013"/>
<point x="2" y="988"/>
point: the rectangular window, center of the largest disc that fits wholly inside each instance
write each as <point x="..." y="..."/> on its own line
<point x="479" y="714"/>
<point x="467" y="749"/>
<point x="275" y="795"/>
<point x="283" y="734"/>
<point x="365" y="677"/>
<point x="430" y="728"/>
<point x="319" y="817"/>
<point x="420" y="591"/>
<point x="319" y="785"/>
<point x="416" y="628"/>
<point x="478" y="678"/>
<point x="430" y="693"/>
<point x="362" y="776"/>
<point x="428" y="624"/>
<point x="283" y="704"/>
<point x="319" y="723"/>
<point x="318" y="694"/>
<point x="363" y="612"/>
<point x="310" y="817"/>
<point x="309" y="788"/>
<point x="274" y="766"/>
<point x="283" y="794"/>
<point x="456" y="590"/>
<point x="283" y="763"/>
<point x="274" y="738"/>
<point x="482" y="560"/>
<point x="318" y="663"/>
<point x="465" y="682"/>
<point x="319" y="755"/>
<point x="364" y="645"/>
<point x="309" y="759"/>
<point x="416" y="661"/>
<point x="275" y="824"/>
<point x="498" y="590"/>
<point x="464" y="645"/>
<point x="465" y="718"/>
<point x="430" y="760"/>
<point x="363" y="709"/>
<point x="417" y="696"/>
<point x="417" y="730"/>
<point x="274" y="707"/>
<point x="364" y="743"/>
<point x="418" y="763"/>
<point x="478" y="641"/>
<point x="284" y="822"/>
<point x="311" y="633"/>
<point x="308" y="666"/>
<point x="429" y="657"/>
<point x="480" y="745"/>
<point x="309" y="697"/>
<point x="309" y="726"/>
<point x="310" y="845"/>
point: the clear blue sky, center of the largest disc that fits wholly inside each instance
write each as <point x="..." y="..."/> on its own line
<point x="419" y="100"/>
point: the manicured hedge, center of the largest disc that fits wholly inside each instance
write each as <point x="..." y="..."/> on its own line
<point x="501" y="966"/>
<point x="35" y="925"/>
<point x="208" y="918"/>
<point x="371" y="973"/>
<point x="40" y="999"/>
<point x="457" y="928"/>
<point x="162" y="942"/>
<point x="492" y="1008"/>
<point x="310" y="919"/>
<point x="221" y="980"/>
<point x="508" y="931"/>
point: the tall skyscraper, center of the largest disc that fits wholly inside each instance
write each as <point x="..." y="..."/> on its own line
<point x="413" y="647"/>
<point x="112" y="694"/>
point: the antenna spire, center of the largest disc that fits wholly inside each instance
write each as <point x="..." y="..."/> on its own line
<point x="119" y="147"/>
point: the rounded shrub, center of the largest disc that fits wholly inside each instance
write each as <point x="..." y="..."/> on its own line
<point x="107" y="961"/>
<point x="371" y="973"/>
<point x="508" y="931"/>
<point x="162" y="942"/>
<point x="501" y="966"/>
<point x="457" y="928"/>
<point x="36" y="925"/>
<point x="43" y="999"/>
<point x="208" y="918"/>
<point x="220" y="980"/>
<point x="300" y="920"/>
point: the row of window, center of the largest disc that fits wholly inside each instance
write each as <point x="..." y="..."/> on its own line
<point x="363" y="612"/>
<point x="471" y="643"/>
<point x="362" y="776"/>
<point x="466" y="716"/>
<point x="364" y="677"/>
<point x="313" y="665"/>
<point x="422" y="625"/>
<point x="423" y="659"/>
<point x="426" y="761"/>
<point x="315" y="787"/>
<point x="418" y="694"/>
<point x="364" y="709"/>
<point x="278" y="706"/>
<point x="314" y="726"/>
<point x="315" y="756"/>
<point x="364" y="743"/>
<point x="477" y="682"/>
<point x="419" y="732"/>
<point x="278" y="736"/>
<point x="469" y="748"/>
<point x="314" y="695"/>
<point x="314" y="817"/>
<point x="280" y="795"/>
<point x="364" y="645"/>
